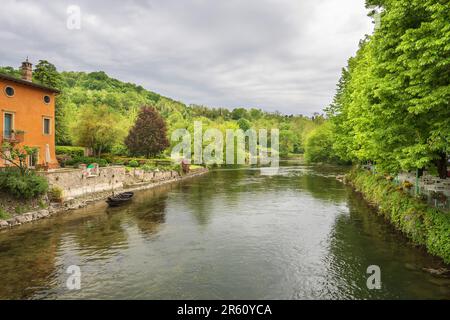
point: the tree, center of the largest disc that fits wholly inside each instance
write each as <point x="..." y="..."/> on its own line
<point x="46" y="74"/>
<point x="238" y="113"/>
<point x="392" y="106"/>
<point x="80" y="89"/>
<point x="17" y="156"/>
<point x="244" y="124"/>
<point x="97" y="128"/>
<point x="319" y="144"/>
<point x="148" y="136"/>
<point x="62" y="134"/>
<point x="10" y="71"/>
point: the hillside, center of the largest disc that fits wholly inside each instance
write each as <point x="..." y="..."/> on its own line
<point x="81" y="91"/>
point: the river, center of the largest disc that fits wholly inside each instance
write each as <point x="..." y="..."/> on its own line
<point x="230" y="234"/>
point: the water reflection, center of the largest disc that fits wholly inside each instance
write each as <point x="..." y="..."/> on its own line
<point x="361" y="238"/>
<point x="235" y="234"/>
<point x="149" y="210"/>
<point x="101" y="235"/>
<point x="27" y="263"/>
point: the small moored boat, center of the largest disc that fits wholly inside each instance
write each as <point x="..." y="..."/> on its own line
<point x="118" y="199"/>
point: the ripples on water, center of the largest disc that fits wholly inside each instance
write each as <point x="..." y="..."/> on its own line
<point x="232" y="234"/>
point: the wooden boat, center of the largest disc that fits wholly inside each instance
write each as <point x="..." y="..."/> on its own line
<point x="118" y="199"/>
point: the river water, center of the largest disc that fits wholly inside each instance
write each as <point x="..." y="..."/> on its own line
<point x="232" y="234"/>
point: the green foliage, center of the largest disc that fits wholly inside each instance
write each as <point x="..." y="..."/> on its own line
<point x="133" y="164"/>
<point x="319" y="145"/>
<point x="238" y="113"/>
<point x="26" y="186"/>
<point x="10" y="71"/>
<point x="119" y="150"/>
<point x="76" y="161"/>
<point x="148" y="167"/>
<point x="4" y="215"/>
<point x="62" y="121"/>
<point x="148" y="136"/>
<point x="83" y="93"/>
<point x="17" y="155"/>
<point x="42" y="204"/>
<point x="19" y="209"/>
<point x="392" y="102"/>
<point x="46" y="74"/>
<point x="98" y="128"/>
<point x="244" y="124"/>
<point x="55" y="194"/>
<point x="70" y="151"/>
<point x="424" y="225"/>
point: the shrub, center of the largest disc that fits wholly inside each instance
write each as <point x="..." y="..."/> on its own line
<point x="63" y="159"/>
<point x="148" y="167"/>
<point x="55" y="194"/>
<point x="73" y="152"/>
<point x="87" y="160"/>
<point x="148" y="135"/>
<point x="133" y="164"/>
<point x="424" y="225"/>
<point x="4" y="215"/>
<point x="119" y="150"/>
<point x="319" y="145"/>
<point x="27" y="186"/>
<point x="119" y="162"/>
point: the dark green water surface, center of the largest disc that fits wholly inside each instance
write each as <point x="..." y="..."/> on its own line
<point x="236" y="234"/>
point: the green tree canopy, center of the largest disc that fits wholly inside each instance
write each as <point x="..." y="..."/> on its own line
<point x="392" y="103"/>
<point x="98" y="128"/>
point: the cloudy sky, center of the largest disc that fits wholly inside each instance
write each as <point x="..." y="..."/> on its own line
<point x="283" y="55"/>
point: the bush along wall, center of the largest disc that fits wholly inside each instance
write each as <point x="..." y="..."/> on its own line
<point x="424" y="225"/>
<point x="22" y="186"/>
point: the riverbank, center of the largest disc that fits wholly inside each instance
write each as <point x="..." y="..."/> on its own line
<point x="422" y="224"/>
<point x="85" y="199"/>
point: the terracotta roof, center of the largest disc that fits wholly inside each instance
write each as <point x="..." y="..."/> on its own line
<point x="27" y="83"/>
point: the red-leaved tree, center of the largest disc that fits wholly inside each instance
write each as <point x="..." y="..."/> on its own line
<point x="148" y="136"/>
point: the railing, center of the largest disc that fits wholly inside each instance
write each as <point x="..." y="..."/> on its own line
<point x="431" y="189"/>
<point x="435" y="191"/>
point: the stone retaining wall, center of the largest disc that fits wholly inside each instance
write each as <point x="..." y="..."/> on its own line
<point x="79" y="190"/>
<point x="76" y="183"/>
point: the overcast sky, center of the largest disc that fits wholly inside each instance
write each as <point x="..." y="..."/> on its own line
<point x="283" y="55"/>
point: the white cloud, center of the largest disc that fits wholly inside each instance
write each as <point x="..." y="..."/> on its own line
<point x="278" y="55"/>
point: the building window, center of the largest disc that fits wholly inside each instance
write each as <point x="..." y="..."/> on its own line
<point x="46" y="126"/>
<point x="7" y="125"/>
<point x="47" y="99"/>
<point x="33" y="159"/>
<point x="9" y="91"/>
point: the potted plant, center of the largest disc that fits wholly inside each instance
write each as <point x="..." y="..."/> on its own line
<point x="18" y="136"/>
<point x="407" y="184"/>
<point x="55" y="194"/>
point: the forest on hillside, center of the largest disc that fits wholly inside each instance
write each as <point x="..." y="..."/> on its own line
<point x="113" y="105"/>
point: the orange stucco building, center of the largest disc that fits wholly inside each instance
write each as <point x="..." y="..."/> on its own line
<point x="28" y="116"/>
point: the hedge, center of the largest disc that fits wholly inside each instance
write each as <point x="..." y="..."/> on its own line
<point x="423" y="224"/>
<point x="70" y="151"/>
<point x="27" y="186"/>
<point x="86" y="160"/>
